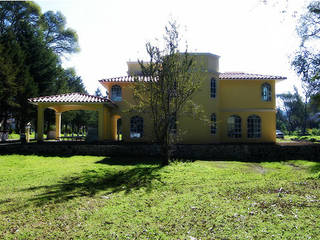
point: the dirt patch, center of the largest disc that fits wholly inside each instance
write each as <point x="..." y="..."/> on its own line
<point x="256" y="167"/>
<point x="295" y="166"/>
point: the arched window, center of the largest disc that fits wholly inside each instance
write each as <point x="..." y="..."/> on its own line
<point x="254" y="126"/>
<point x="266" y="92"/>
<point x="213" y="88"/>
<point x="234" y="126"/>
<point x="116" y="94"/>
<point x="136" y="127"/>
<point x="213" y="124"/>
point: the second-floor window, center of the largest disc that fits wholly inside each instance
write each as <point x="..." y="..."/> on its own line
<point x="266" y="92"/>
<point x="213" y="88"/>
<point x="116" y="93"/>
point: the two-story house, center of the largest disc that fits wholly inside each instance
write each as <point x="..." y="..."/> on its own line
<point x="241" y="107"/>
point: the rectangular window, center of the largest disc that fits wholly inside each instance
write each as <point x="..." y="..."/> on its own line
<point x="213" y="88"/>
<point x="234" y="127"/>
<point x="213" y="124"/>
<point x="173" y="124"/>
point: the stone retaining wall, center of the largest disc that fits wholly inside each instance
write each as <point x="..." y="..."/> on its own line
<point x="240" y="152"/>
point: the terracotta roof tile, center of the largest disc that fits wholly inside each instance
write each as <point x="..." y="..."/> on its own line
<point x="70" y="98"/>
<point x="248" y="76"/>
<point x="223" y="76"/>
<point x="126" y="79"/>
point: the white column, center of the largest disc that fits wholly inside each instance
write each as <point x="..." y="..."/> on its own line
<point x="58" y="124"/>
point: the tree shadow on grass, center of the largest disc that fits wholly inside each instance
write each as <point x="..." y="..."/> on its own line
<point x="315" y="168"/>
<point x="139" y="174"/>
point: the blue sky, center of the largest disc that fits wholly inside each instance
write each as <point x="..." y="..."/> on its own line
<point x="248" y="35"/>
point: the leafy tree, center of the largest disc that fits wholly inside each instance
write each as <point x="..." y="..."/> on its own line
<point x="36" y="41"/>
<point x="8" y="88"/>
<point x="306" y="61"/>
<point x="170" y="80"/>
<point x="59" y="38"/>
<point x="12" y="14"/>
<point x="293" y="108"/>
<point x="281" y="122"/>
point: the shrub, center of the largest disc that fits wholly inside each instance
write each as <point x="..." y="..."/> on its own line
<point x="315" y="131"/>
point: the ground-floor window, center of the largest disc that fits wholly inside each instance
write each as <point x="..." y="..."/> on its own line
<point x="136" y="127"/>
<point x="213" y="129"/>
<point x="173" y="124"/>
<point x="234" y="126"/>
<point x="254" y="126"/>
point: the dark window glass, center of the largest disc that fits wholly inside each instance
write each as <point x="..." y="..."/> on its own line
<point x="213" y="124"/>
<point x="234" y="126"/>
<point x="266" y="92"/>
<point x="136" y="127"/>
<point x="213" y="88"/>
<point x="116" y="94"/>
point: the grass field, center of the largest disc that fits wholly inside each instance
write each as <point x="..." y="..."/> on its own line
<point x="294" y="138"/>
<point x="84" y="197"/>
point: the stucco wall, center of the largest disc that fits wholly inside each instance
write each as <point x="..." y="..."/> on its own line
<point x="233" y="97"/>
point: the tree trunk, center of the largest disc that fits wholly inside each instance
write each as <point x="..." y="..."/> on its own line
<point x="305" y="116"/>
<point x="165" y="156"/>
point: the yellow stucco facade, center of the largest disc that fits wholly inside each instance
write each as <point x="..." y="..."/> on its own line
<point x="234" y="96"/>
<point x="244" y="107"/>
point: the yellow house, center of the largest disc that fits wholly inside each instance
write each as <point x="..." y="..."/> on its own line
<point x="241" y="106"/>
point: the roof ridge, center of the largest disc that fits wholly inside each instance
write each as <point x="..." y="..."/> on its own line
<point x="126" y="78"/>
<point x="71" y="97"/>
<point x="243" y="75"/>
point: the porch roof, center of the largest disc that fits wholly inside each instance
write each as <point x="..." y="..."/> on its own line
<point x="71" y="98"/>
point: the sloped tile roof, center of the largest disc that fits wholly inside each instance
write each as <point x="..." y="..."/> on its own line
<point x="70" y="98"/>
<point x="248" y="76"/>
<point x="223" y="76"/>
<point x="126" y="79"/>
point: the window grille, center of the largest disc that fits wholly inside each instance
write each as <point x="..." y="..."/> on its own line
<point x="234" y="126"/>
<point x="254" y="126"/>
<point x="213" y="88"/>
<point x="266" y="92"/>
<point x="116" y="94"/>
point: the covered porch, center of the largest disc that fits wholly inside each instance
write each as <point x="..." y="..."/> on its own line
<point x="107" y="129"/>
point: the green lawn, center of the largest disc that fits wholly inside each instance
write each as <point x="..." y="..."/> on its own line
<point x="294" y="138"/>
<point x="305" y="138"/>
<point x="84" y="197"/>
<point x="17" y="136"/>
